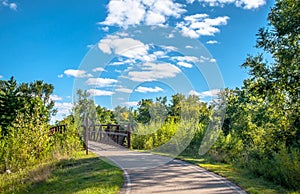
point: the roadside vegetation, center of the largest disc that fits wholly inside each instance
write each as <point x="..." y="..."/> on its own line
<point x="77" y="173"/>
<point x="257" y="146"/>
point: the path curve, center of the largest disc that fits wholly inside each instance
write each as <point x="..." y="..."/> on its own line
<point x="168" y="176"/>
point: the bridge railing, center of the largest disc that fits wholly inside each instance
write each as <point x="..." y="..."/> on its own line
<point x="57" y="129"/>
<point x="108" y="133"/>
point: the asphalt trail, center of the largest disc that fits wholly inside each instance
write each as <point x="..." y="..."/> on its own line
<point x="151" y="173"/>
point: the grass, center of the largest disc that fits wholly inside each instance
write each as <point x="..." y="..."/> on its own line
<point x="77" y="174"/>
<point x="240" y="176"/>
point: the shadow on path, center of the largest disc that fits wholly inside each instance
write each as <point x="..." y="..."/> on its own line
<point x="150" y="173"/>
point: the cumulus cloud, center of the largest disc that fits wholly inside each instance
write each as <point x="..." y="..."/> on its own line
<point x="98" y="69"/>
<point x="55" y="97"/>
<point x="193" y="92"/>
<point x="245" y="4"/>
<point x="189" y="47"/>
<point x="63" y="107"/>
<point x="212" y="42"/>
<point x="60" y="75"/>
<point x="1" y="76"/>
<point x="207" y="59"/>
<point x="142" y="89"/>
<point x="90" y="46"/>
<point x="123" y="46"/>
<point x="127" y="61"/>
<point x="12" y="5"/>
<point x="206" y="94"/>
<point x="198" y="25"/>
<point x="96" y="92"/>
<point x="124" y="90"/>
<point x="210" y="93"/>
<point x="154" y="71"/>
<point x="132" y="103"/>
<point x="185" y="61"/>
<point x="184" y="64"/>
<point x="126" y="13"/>
<point x="192" y="59"/>
<point x="77" y="73"/>
<point x="101" y="82"/>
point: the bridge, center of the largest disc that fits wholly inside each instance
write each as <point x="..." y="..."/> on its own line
<point x="113" y="134"/>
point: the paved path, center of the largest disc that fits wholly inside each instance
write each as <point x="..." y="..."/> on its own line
<point x="150" y="173"/>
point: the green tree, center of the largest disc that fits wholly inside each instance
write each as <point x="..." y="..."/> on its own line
<point x="144" y="110"/>
<point x="277" y="83"/>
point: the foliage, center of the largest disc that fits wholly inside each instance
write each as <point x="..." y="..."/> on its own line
<point x="24" y="128"/>
<point x="62" y="175"/>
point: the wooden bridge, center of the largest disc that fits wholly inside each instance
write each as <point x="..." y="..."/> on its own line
<point x="108" y="134"/>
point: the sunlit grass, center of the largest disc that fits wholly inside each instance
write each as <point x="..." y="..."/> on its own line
<point x="78" y="174"/>
<point x="240" y="176"/>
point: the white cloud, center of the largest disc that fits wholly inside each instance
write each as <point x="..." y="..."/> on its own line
<point x="124" y="90"/>
<point x="185" y="61"/>
<point x="132" y="103"/>
<point x="77" y="73"/>
<point x="212" y="42"/>
<point x="212" y="60"/>
<point x="1" y="76"/>
<point x="205" y="94"/>
<point x="55" y="97"/>
<point x="127" y="61"/>
<point x="246" y="4"/>
<point x="168" y="48"/>
<point x="105" y="29"/>
<point x="184" y="64"/>
<point x="201" y="25"/>
<point x="192" y="59"/>
<point x="125" y="13"/>
<point x="101" y="82"/>
<point x="63" y="107"/>
<point x="96" y="92"/>
<point x="207" y="59"/>
<point x="153" y="71"/>
<point x="193" y="92"/>
<point x="189" y="47"/>
<point x="142" y="89"/>
<point x="98" y="69"/>
<point x="60" y="75"/>
<point x="210" y="93"/>
<point x="127" y="47"/>
<point x="90" y="46"/>
<point x="12" y="5"/>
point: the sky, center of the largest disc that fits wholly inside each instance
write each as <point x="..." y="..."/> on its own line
<point x="121" y="51"/>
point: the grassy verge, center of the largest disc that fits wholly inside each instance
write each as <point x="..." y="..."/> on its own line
<point x="76" y="174"/>
<point x="241" y="177"/>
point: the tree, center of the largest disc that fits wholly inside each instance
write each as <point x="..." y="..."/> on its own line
<point x="104" y="115"/>
<point x="84" y="109"/>
<point x="144" y="110"/>
<point x="175" y="108"/>
<point x="277" y="83"/>
<point x="31" y="100"/>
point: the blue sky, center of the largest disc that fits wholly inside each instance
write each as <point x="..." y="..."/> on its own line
<point x="82" y="44"/>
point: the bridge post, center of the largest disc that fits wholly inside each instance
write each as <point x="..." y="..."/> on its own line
<point x="128" y="136"/>
<point x="85" y="136"/>
<point x="118" y="135"/>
